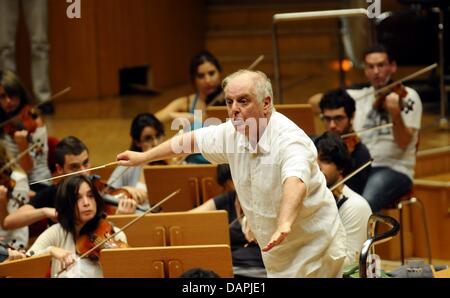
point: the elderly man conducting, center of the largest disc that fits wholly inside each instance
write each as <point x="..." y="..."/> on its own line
<point x="281" y="189"/>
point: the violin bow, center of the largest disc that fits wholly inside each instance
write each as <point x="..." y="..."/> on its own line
<point x="347" y="135"/>
<point x="251" y="67"/>
<point x="336" y="185"/>
<point x="409" y="77"/>
<point x="122" y="229"/>
<point x="76" y="173"/>
<point x="56" y="95"/>
<point x="18" y="157"/>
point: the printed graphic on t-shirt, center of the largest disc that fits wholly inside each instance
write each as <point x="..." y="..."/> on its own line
<point x="377" y="118"/>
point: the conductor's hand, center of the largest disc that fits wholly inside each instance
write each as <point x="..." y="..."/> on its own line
<point x="131" y="158"/>
<point x="277" y="237"/>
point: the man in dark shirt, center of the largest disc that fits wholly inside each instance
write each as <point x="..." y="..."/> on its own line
<point x="338" y="111"/>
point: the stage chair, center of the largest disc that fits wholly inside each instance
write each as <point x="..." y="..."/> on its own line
<point x="197" y="184"/>
<point x="300" y="114"/>
<point x="176" y="228"/>
<point x="32" y="267"/>
<point x="169" y="261"/>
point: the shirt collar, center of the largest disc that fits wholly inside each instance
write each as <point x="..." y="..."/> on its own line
<point x="263" y="145"/>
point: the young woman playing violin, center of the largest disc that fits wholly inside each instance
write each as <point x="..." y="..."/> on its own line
<point x="21" y="128"/>
<point x="14" y="193"/>
<point x="80" y="225"/>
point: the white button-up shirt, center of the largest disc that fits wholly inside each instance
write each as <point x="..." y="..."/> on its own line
<point x="315" y="247"/>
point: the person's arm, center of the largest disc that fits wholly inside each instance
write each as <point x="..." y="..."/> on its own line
<point x="47" y="243"/>
<point x="27" y="215"/>
<point x="173" y="107"/>
<point x="294" y="191"/>
<point x="160" y="152"/>
<point x="206" y="206"/>
<point x="402" y="135"/>
<point x="21" y="139"/>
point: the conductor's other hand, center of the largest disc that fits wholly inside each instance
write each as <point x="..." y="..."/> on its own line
<point x="277" y="238"/>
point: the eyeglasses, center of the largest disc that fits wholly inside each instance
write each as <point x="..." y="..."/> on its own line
<point x="336" y="119"/>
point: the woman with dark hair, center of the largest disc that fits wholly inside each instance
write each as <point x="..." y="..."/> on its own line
<point x="205" y="74"/>
<point x="80" y="211"/>
<point x="13" y="98"/>
<point x="146" y="132"/>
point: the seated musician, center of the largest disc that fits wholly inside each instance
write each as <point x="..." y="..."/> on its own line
<point x="244" y="254"/>
<point x="20" y="135"/>
<point x="80" y="224"/>
<point x="392" y="149"/>
<point x="146" y="132"/>
<point x="205" y="74"/>
<point x="14" y="193"/>
<point x="354" y="211"/>
<point x="72" y="155"/>
<point x="338" y="112"/>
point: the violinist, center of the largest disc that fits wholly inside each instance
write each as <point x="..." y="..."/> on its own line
<point x="80" y="219"/>
<point x="354" y="211"/>
<point x="71" y="155"/>
<point x="14" y="193"/>
<point x="392" y="149"/>
<point x="22" y="127"/>
<point x="146" y="132"/>
<point x="338" y="112"/>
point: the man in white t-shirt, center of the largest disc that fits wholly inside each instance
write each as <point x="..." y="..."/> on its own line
<point x="392" y="149"/>
<point x="354" y="211"/>
<point x="281" y="190"/>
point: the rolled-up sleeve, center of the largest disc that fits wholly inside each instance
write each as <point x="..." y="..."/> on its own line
<point x="297" y="160"/>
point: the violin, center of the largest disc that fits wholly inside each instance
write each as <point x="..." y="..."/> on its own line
<point x="399" y="89"/>
<point x="351" y="142"/>
<point x="111" y="196"/>
<point x="7" y="181"/>
<point x="87" y="242"/>
<point x="26" y="119"/>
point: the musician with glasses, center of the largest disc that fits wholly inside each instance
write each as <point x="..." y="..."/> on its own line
<point x="338" y="112"/>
